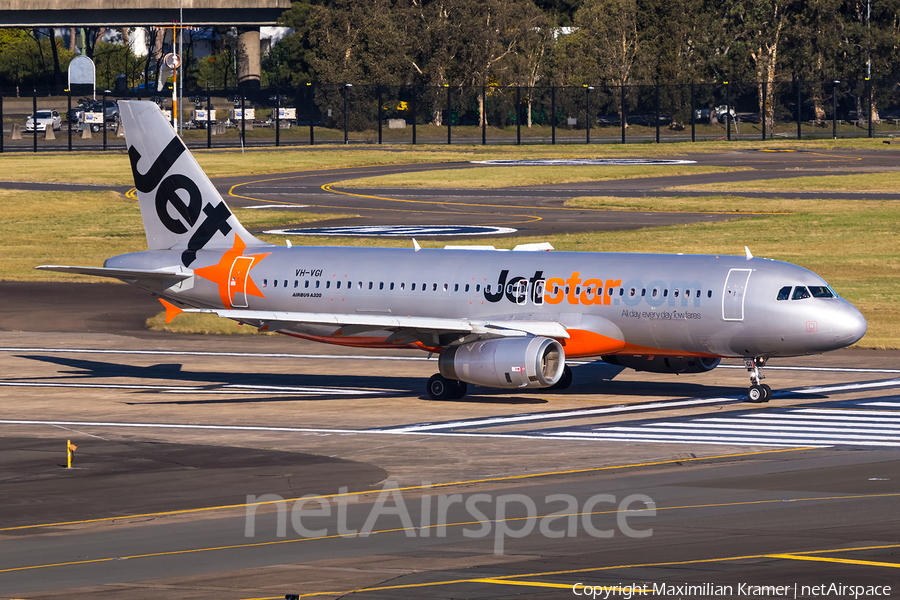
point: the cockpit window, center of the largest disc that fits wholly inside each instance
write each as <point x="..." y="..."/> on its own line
<point x="800" y="293"/>
<point x="784" y="293"/>
<point x="821" y="291"/>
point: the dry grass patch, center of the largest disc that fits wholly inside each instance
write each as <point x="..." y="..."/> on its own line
<point x="498" y="177"/>
<point x="869" y="183"/>
<point x="201" y="323"/>
<point x="86" y="228"/>
<point x="113" y="168"/>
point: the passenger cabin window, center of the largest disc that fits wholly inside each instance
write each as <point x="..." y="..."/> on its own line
<point x="784" y="293"/>
<point x="467" y="287"/>
<point x="285" y="283"/>
<point x="328" y="285"/>
<point x="800" y="293"/>
<point x="338" y="285"/>
<point x="274" y="283"/>
<point x="709" y="293"/>
<point x="821" y="291"/>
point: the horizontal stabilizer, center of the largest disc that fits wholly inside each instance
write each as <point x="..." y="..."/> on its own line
<point x="171" y="276"/>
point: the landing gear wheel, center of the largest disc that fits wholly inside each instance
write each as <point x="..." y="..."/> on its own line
<point x="565" y="381"/>
<point x="439" y="387"/>
<point x="457" y="389"/>
<point x="756" y="394"/>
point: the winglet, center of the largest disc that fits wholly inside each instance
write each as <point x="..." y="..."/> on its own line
<point x="416" y="245"/>
<point x="172" y="311"/>
<point x="747" y="250"/>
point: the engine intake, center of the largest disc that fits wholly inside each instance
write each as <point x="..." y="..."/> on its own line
<point x="664" y="364"/>
<point x="532" y="362"/>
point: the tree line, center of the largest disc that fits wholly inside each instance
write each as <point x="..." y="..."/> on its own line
<point x="585" y="42"/>
<point x="528" y="43"/>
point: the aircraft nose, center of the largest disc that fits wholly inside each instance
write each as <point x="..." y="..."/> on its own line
<point x="848" y="325"/>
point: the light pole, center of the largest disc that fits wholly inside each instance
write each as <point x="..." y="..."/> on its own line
<point x="180" y="71"/>
<point x="834" y="109"/>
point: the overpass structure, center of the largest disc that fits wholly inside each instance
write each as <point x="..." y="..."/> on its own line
<point x="247" y="15"/>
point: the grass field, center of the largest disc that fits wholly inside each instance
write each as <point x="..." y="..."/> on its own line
<point x="496" y="177"/>
<point x="85" y="228"/>
<point x="113" y="167"/>
<point x="879" y="183"/>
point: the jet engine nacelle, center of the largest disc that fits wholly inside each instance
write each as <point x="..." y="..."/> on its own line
<point x="532" y="362"/>
<point x="664" y="364"/>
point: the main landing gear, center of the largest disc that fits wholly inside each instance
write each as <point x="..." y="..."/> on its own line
<point x="565" y="381"/>
<point x="441" y="388"/>
<point x="757" y="393"/>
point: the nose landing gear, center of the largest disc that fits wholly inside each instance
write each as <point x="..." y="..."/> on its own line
<point x="757" y="393"/>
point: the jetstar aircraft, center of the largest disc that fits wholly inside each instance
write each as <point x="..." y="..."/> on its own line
<point x="497" y="319"/>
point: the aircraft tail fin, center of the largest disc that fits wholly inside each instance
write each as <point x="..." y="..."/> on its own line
<point x="181" y="208"/>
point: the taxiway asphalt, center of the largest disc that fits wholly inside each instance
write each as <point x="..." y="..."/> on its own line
<point x="177" y="434"/>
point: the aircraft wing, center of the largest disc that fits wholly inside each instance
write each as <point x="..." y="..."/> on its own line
<point x="405" y="328"/>
<point x="169" y="277"/>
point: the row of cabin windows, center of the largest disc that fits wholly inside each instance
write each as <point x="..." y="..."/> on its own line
<point x="654" y="293"/>
<point x="802" y="292"/>
<point x="359" y="285"/>
<point x="519" y="288"/>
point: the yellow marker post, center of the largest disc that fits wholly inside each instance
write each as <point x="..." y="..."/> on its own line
<point x="70" y="448"/>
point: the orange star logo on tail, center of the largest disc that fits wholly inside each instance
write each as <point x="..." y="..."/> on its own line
<point x="232" y="273"/>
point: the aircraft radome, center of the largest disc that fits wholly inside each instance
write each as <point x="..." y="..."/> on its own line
<point x="498" y="319"/>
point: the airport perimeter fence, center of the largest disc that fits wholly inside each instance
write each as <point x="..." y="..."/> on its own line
<point x="380" y="114"/>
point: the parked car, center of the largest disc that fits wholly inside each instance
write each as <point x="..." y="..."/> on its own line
<point x="110" y="110"/>
<point x="45" y="118"/>
<point x="702" y="114"/>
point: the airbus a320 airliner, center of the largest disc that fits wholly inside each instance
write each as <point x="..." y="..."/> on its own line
<point x="497" y="319"/>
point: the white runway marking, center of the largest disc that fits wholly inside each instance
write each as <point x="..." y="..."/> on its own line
<point x="281" y="206"/>
<point x="273" y="429"/>
<point x="814" y="369"/>
<point x="785" y="427"/>
<point x="558" y="415"/>
<point x="192" y="389"/>
<point x="566" y="162"/>
<point x="205" y="353"/>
